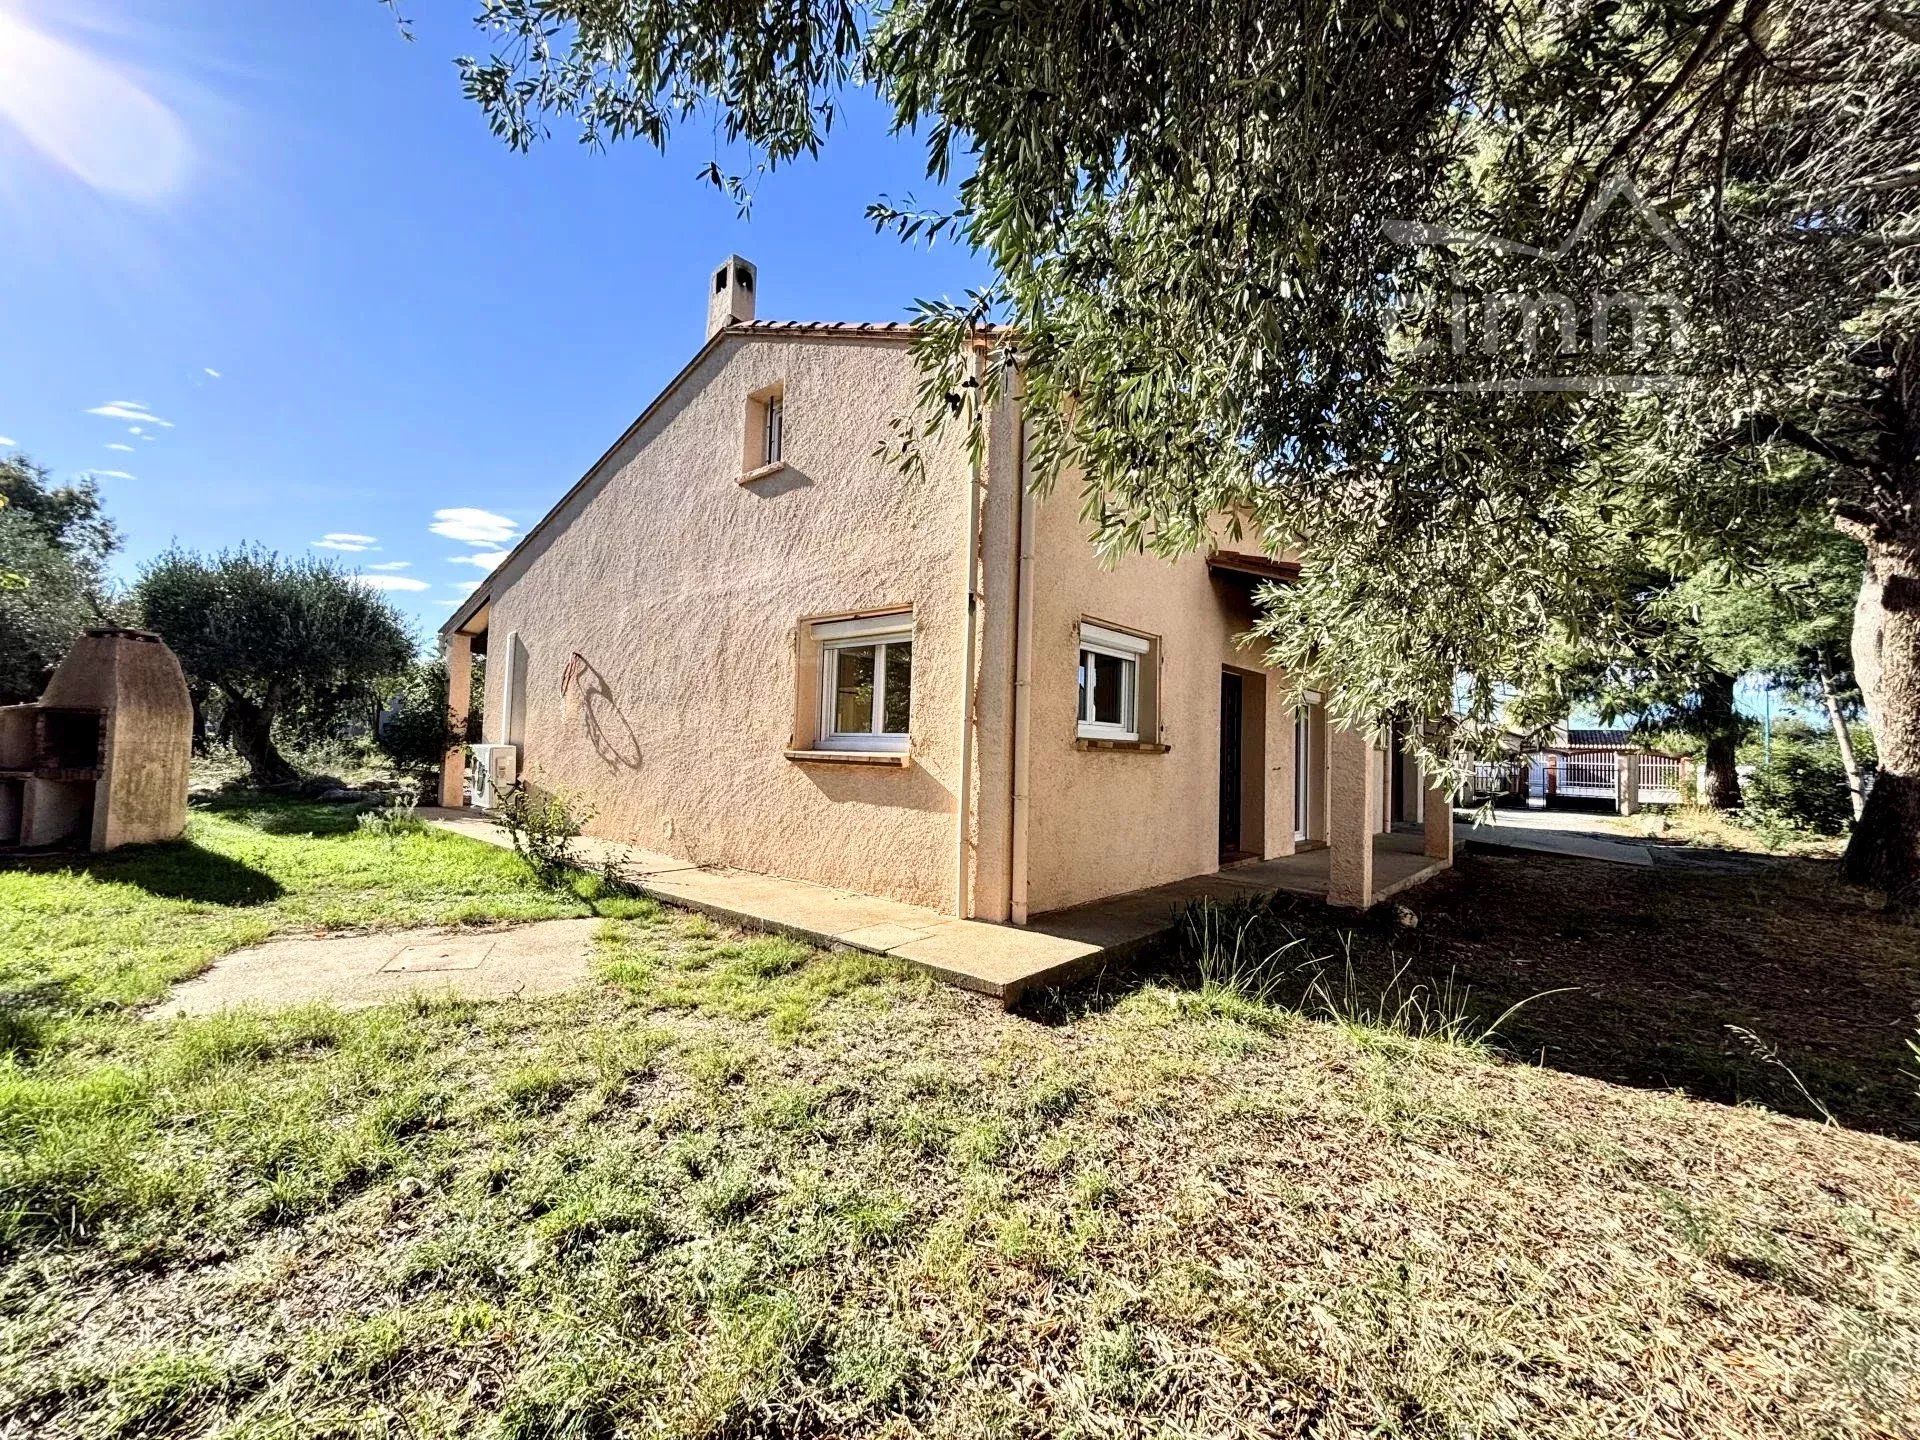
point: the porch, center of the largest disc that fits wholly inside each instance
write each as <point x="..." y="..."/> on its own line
<point x="1003" y="961"/>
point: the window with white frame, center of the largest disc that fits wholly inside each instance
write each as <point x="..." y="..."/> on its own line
<point x="866" y="682"/>
<point x="1109" y="683"/>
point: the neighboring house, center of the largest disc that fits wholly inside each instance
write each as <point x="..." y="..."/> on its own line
<point x="744" y="638"/>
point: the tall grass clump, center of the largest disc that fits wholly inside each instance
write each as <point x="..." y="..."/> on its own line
<point x="1244" y="949"/>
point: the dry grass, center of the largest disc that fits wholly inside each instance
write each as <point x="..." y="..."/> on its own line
<point x="744" y="1188"/>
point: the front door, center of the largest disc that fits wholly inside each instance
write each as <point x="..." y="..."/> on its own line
<point x="1230" y="709"/>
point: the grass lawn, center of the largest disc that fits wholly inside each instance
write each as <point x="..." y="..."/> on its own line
<point x="741" y="1187"/>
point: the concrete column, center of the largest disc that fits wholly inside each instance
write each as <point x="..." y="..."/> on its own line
<point x="1438" y="822"/>
<point x="1279" y="807"/>
<point x="453" y="768"/>
<point x="1353" y="798"/>
<point x="1627" y="781"/>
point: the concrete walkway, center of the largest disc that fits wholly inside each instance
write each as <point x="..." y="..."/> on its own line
<point x="1004" y="961"/>
<point x="1599" y="837"/>
<point x="355" y="971"/>
<point x="1529" y="833"/>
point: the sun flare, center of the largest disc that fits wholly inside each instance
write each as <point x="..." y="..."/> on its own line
<point x="87" y="115"/>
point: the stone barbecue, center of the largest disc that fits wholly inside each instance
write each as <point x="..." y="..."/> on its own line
<point x="101" y="759"/>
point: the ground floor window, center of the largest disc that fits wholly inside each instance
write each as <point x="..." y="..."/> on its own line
<point x="1109" y="683"/>
<point x="866" y="682"/>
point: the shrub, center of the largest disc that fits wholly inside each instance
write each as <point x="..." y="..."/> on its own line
<point x="402" y="817"/>
<point x="543" y="826"/>
<point x="1802" y="786"/>
<point x="419" y="731"/>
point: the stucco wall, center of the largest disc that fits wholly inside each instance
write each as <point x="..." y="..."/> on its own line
<point x="1104" y="822"/>
<point x="680" y="589"/>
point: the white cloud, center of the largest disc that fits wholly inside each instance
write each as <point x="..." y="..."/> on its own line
<point x="465" y="587"/>
<point x="392" y="565"/>
<point x="111" y="474"/>
<point x="211" y="373"/>
<point x="8" y="440"/>
<point x="116" y="445"/>
<point x="130" y="410"/>
<point x="474" y="527"/>
<point x="347" y="542"/>
<point x="392" y="582"/>
<point x="146" y="437"/>
<point x="448" y="604"/>
<point x="484" y="559"/>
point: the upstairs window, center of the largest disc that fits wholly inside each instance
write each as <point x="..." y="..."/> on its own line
<point x="764" y="450"/>
<point x="775" y="410"/>
<point x="1109" y="683"/>
<point x="866" y="682"/>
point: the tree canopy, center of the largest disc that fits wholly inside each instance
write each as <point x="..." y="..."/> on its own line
<point x="54" y="544"/>
<point x="271" y="635"/>
<point x="1399" y="287"/>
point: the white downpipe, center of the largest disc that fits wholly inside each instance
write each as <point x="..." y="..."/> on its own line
<point x="1022" y="681"/>
<point x="964" y="791"/>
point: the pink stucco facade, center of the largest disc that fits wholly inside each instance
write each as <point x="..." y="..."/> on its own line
<point x="654" y="649"/>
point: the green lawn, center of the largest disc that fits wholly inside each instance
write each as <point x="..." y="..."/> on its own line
<point x="117" y="930"/>
<point x="740" y="1187"/>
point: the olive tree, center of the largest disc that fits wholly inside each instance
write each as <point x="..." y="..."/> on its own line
<point x="269" y="634"/>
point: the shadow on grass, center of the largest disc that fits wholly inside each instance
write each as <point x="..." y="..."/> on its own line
<point x="182" y="870"/>
<point x="1783" y="989"/>
<point x="273" y="815"/>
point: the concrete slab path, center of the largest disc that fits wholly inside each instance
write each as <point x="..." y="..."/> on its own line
<point x="355" y="971"/>
<point x="1539" y="839"/>
<point x="998" y="960"/>
<point x="1599" y="837"/>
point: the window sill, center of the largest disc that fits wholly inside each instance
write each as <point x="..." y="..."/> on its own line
<point x="896" y="759"/>
<point x="1138" y="747"/>
<point x="764" y="472"/>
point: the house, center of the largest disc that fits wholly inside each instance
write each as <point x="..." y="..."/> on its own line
<point x="746" y="639"/>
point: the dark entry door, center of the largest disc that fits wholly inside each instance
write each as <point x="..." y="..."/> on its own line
<point x="1230" y="706"/>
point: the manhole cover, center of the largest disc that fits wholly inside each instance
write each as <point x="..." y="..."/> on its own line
<point x="441" y="955"/>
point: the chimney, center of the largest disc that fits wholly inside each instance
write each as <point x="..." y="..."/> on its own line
<point x="730" y="296"/>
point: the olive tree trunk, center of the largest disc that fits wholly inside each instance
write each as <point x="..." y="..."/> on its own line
<point x="1719" y="720"/>
<point x="1885" y="850"/>
<point x="250" y="727"/>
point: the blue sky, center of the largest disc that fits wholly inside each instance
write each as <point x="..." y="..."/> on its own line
<point x="315" y="298"/>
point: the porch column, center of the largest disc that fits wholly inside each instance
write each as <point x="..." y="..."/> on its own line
<point x="453" y="767"/>
<point x="1438" y="821"/>
<point x="1353" y="798"/>
<point x="1279" y="777"/>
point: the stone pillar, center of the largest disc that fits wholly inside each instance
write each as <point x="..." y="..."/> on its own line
<point x="453" y="769"/>
<point x="1627" y="781"/>
<point x="1438" y="821"/>
<point x="1353" y="797"/>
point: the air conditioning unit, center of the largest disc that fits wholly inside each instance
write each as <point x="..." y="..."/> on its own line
<point x="495" y="768"/>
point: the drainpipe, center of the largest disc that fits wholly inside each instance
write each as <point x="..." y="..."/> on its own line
<point x="1022" y="675"/>
<point x="964" y="791"/>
